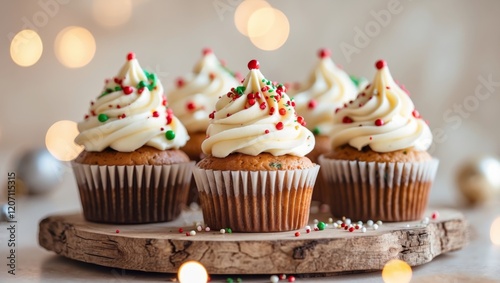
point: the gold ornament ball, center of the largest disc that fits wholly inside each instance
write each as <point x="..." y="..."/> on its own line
<point x="478" y="179"/>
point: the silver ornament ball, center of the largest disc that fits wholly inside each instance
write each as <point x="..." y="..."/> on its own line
<point x="39" y="171"/>
<point x="478" y="179"/>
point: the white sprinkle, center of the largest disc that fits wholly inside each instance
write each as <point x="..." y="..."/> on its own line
<point x="360" y="223"/>
<point x="199" y="228"/>
<point x="379" y="223"/>
<point x="222" y="231"/>
<point x="369" y="223"/>
<point x="347" y="221"/>
<point x="375" y="226"/>
<point x="363" y="229"/>
<point x="274" y="278"/>
<point x="407" y="225"/>
<point x="339" y="222"/>
<point x="343" y="218"/>
<point x="192" y="233"/>
<point x="207" y="229"/>
<point x="308" y="227"/>
<point x="315" y="221"/>
<point x="335" y="225"/>
<point x="330" y="220"/>
<point x="425" y="220"/>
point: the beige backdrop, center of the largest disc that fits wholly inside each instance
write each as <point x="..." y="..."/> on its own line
<point x="445" y="52"/>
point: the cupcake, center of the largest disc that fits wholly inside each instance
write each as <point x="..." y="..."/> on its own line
<point x="194" y="98"/>
<point x="379" y="167"/>
<point x="328" y="88"/>
<point x="131" y="169"/>
<point x="255" y="176"/>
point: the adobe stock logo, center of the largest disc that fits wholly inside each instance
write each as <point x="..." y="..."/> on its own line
<point x="39" y="19"/>
<point x="454" y="116"/>
<point x="363" y="37"/>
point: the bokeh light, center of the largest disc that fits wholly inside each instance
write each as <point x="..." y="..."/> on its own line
<point x="112" y="13"/>
<point x="495" y="232"/>
<point x="268" y="32"/>
<point x="59" y="140"/>
<point x="244" y="11"/>
<point x="74" y="47"/>
<point x="26" y="48"/>
<point x="396" y="271"/>
<point x="192" y="272"/>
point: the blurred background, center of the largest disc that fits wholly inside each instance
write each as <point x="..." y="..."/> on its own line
<point x="55" y="55"/>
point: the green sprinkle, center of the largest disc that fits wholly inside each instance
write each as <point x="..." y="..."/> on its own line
<point x="228" y="230"/>
<point x="141" y="84"/>
<point x="239" y="280"/>
<point x="316" y="131"/>
<point x="147" y="73"/>
<point x="170" y="135"/>
<point x="102" y="118"/>
<point x="270" y="90"/>
<point x="263" y="80"/>
<point x="240" y="90"/>
<point x="229" y="280"/>
<point x="118" y="88"/>
<point x="151" y="87"/>
<point x="109" y="90"/>
<point x="321" y="225"/>
<point x="275" y="165"/>
<point x="354" y="79"/>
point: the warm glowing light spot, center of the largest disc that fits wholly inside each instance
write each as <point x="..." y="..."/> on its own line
<point x="59" y="140"/>
<point x="74" y="47"/>
<point x="276" y="27"/>
<point x="244" y="11"/>
<point x="112" y="13"/>
<point x="495" y="232"/>
<point x="396" y="271"/>
<point x="26" y="48"/>
<point x="192" y="272"/>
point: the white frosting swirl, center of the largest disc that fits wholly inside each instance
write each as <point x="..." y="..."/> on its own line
<point x="382" y="117"/>
<point x="328" y="87"/>
<point x="196" y="95"/>
<point x="254" y="118"/>
<point x="131" y="112"/>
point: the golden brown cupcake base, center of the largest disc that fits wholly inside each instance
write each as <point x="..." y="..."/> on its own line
<point x="145" y="155"/>
<point x="346" y="152"/>
<point x="261" y="162"/>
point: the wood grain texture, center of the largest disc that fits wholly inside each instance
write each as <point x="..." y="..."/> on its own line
<point x="161" y="248"/>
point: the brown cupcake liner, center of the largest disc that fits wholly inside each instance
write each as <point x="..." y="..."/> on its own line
<point x="133" y="194"/>
<point x="256" y="201"/>
<point x="378" y="190"/>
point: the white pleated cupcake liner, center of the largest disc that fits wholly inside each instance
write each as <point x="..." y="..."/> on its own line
<point x="133" y="194"/>
<point x="256" y="201"/>
<point x="387" y="191"/>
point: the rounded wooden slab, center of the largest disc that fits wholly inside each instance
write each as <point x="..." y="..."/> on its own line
<point x="161" y="248"/>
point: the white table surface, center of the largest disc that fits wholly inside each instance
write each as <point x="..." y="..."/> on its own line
<point x="477" y="262"/>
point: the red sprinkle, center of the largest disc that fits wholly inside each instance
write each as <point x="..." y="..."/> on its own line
<point x="253" y="64"/>
<point x="266" y="131"/>
<point x="128" y="89"/>
<point x="297" y="234"/>
<point x="164" y="101"/>
<point x="308" y="231"/>
<point x="117" y="231"/>
<point x="312" y="104"/>
<point x="187" y="234"/>
<point x="279" y="126"/>
<point x="282" y="276"/>
<point x="181" y="230"/>
<point x="251" y="101"/>
<point x="324" y="53"/>
<point x="300" y="120"/>
<point x="316" y="229"/>
<point x="130" y="56"/>
<point x="169" y="120"/>
<point x="282" y="111"/>
<point x="351" y="229"/>
<point x="416" y="114"/>
<point x="262" y="105"/>
<point x="180" y="82"/>
<point x="342" y="225"/>
<point x="271" y="111"/>
<point x="211" y="76"/>
<point x="380" y="64"/>
<point x="191" y="106"/>
<point x="435" y="215"/>
<point x="211" y="115"/>
<point x="357" y="227"/>
<point x="371" y="138"/>
<point x="346" y="120"/>
<point x="337" y="110"/>
<point x="139" y="91"/>
<point x="291" y="278"/>
<point x="156" y="114"/>
<point x="117" y="81"/>
<point x="86" y="117"/>
<point x="379" y="122"/>
<point x="207" y="51"/>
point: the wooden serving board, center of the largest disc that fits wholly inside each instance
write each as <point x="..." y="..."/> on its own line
<point x="162" y="248"/>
